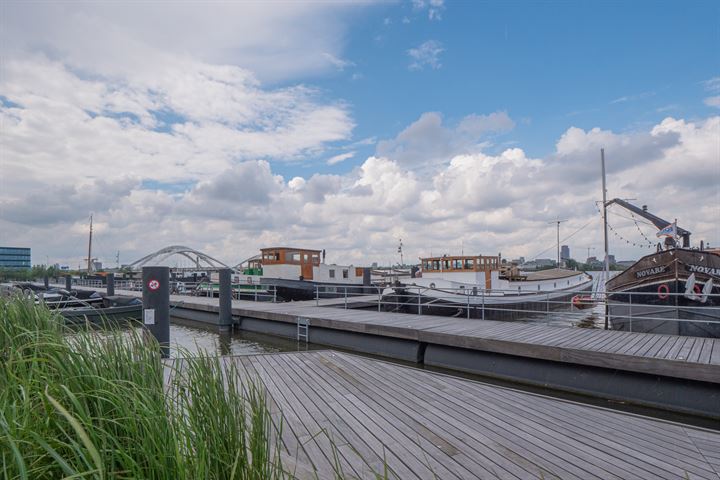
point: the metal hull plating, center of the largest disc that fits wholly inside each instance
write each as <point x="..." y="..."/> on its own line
<point x="654" y="296"/>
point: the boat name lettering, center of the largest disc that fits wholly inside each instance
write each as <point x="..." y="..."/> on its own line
<point x="715" y="272"/>
<point x="651" y="271"/>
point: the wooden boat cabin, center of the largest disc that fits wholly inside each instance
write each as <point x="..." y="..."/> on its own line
<point x="472" y="270"/>
<point x="304" y="264"/>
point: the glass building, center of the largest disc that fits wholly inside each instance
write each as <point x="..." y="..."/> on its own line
<point x="15" y="257"/>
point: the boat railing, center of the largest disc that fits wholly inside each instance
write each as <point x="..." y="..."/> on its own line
<point x="586" y="308"/>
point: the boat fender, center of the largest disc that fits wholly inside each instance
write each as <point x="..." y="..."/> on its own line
<point x="432" y="285"/>
<point x="663" y="291"/>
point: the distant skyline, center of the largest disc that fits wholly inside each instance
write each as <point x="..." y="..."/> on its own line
<point x="456" y="126"/>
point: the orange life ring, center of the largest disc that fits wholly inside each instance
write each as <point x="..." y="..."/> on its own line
<point x="663" y="291"/>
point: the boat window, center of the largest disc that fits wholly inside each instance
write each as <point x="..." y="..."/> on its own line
<point x="316" y="259"/>
<point x="345" y="274"/>
<point x="294" y="257"/>
<point x="306" y="257"/>
<point x="457" y="264"/>
<point x="468" y="264"/>
<point x="436" y="264"/>
<point x="332" y="273"/>
<point x="446" y="264"/>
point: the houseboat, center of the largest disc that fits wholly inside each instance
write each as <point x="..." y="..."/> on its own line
<point x="674" y="291"/>
<point x="302" y="274"/>
<point x="481" y="287"/>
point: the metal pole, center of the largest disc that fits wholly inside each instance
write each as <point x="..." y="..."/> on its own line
<point x="68" y="282"/>
<point x="225" y="299"/>
<point x="468" y="305"/>
<point x="483" y="304"/>
<point x="156" y="305"/>
<point x="547" y="308"/>
<point x="317" y="295"/>
<point x="345" y="298"/>
<point x="605" y="231"/>
<point x="419" y="303"/>
<point x="110" y="284"/>
<point x="46" y="281"/>
<point x="630" y="311"/>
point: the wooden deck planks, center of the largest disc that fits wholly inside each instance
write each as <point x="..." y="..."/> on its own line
<point x="429" y="425"/>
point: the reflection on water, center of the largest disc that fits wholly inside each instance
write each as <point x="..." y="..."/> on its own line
<point x="191" y="338"/>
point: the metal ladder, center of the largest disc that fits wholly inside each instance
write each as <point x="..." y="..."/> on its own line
<point x="303" y="328"/>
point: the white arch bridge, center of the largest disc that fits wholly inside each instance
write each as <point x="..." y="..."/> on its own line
<point x="198" y="260"/>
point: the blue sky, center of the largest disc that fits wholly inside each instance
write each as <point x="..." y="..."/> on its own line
<point x="615" y="65"/>
<point x="347" y="126"/>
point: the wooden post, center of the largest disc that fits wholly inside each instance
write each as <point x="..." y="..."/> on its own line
<point x="225" y="299"/>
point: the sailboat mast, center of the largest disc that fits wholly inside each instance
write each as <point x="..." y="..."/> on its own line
<point x="606" y="273"/>
<point x="89" y="263"/>
<point x="605" y="228"/>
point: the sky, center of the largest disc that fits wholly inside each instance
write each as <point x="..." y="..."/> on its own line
<point x="458" y="127"/>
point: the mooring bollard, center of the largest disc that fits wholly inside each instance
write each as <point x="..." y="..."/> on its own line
<point x="110" y="284"/>
<point x="156" y="305"/>
<point x="46" y="281"/>
<point x="68" y="282"/>
<point x="225" y="299"/>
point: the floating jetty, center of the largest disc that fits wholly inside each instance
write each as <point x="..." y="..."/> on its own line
<point x="670" y="372"/>
<point x="341" y="415"/>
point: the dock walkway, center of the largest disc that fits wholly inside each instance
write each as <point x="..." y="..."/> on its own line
<point x="692" y="358"/>
<point x="359" y="414"/>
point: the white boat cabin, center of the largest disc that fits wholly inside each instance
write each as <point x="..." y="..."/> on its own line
<point x="488" y="273"/>
<point x="303" y="264"/>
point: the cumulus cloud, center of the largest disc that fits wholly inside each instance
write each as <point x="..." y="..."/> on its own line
<point x="429" y="141"/>
<point x="427" y="54"/>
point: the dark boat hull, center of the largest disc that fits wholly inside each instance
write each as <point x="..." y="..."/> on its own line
<point x="650" y="296"/>
<point x="114" y="309"/>
<point x="300" y="290"/>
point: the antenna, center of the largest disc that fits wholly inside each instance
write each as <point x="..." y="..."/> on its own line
<point x="89" y="263"/>
<point x="558" y="222"/>
<point x="588" y="249"/>
<point x="400" y="245"/>
<point x="117" y="259"/>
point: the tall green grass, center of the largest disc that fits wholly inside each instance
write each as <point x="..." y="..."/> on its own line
<point x="89" y="404"/>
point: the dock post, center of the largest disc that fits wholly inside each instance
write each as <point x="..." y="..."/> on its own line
<point x="225" y="298"/>
<point x="156" y="305"/>
<point x="46" y="281"/>
<point x="110" y="284"/>
<point x="68" y="282"/>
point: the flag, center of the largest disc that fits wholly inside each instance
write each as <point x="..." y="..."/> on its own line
<point x="669" y="231"/>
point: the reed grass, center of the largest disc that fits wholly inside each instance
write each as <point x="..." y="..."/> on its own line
<point x="89" y="404"/>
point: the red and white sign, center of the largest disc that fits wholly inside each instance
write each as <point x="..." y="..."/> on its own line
<point x="153" y="285"/>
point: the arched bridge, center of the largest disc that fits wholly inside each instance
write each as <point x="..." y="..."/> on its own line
<point x="199" y="260"/>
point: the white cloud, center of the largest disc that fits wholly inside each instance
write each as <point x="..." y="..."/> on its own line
<point x="428" y="141"/>
<point x="426" y="55"/>
<point x="434" y="7"/>
<point x="340" y="158"/>
<point x="712" y="101"/>
<point x="712" y="85"/>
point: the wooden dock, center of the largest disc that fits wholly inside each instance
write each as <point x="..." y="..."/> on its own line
<point x="691" y="358"/>
<point x="361" y="415"/>
<point x="664" y="371"/>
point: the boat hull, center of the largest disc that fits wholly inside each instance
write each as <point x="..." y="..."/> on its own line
<point x="300" y="290"/>
<point x="507" y="307"/>
<point x="651" y="295"/>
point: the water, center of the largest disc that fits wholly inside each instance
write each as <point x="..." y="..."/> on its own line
<point x="191" y="338"/>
